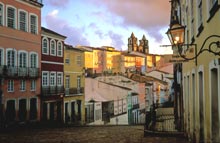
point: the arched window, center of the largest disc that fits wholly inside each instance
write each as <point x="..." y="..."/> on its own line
<point x="11" y="17"/>
<point x="45" y="46"/>
<point x="59" y="49"/>
<point x="22" y="20"/>
<point x="53" y="48"/>
<point x="33" y="24"/>
<point x="1" y="57"/>
<point x="22" y="59"/>
<point x="1" y="14"/>
<point x="11" y="58"/>
<point x="33" y="60"/>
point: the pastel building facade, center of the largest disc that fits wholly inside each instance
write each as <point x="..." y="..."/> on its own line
<point x="20" y="60"/>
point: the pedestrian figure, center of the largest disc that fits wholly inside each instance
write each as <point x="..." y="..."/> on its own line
<point x="116" y="120"/>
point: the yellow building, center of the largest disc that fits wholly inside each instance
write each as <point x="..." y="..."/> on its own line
<point x="201" y="76"/>
<point x="109" y="58"/>
<point x="74" y="81"/>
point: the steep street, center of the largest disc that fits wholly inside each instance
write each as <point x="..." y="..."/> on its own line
<point x="88" y="134"/>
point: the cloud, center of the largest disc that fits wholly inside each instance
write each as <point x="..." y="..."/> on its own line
<point x="148" y="15"/>
<point x="117" y="41"/>
<point x="74" y="35"/>
<point x="57" y="3"/>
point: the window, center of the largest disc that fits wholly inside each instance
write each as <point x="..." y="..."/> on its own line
<point x="78" y="60"/>
<point x="1" y="14"/>
<point x="1" y="57"/>
<point x="33" y="24"/>
<point x="67" y="83"/>
<point x="52" y="48"/>
<point x="45" y="78"/>
<point x="11" y="58"/>
<point x="59" y="49"/>
<point x="22" y="21"/>
<point x="22" y="59"/>
<point x="78" y="81"/>
<point x="10" y="85"/>
<point x="11" y="17"/>
<point x="33" y="85"/>
<point x="52" y="79"/>
<point x="22" y="85"/>
<point x="33" y="61"/>
<point x="45" y="46"/>
<point x="67" y="58"/>
<point x="59" y="79"/>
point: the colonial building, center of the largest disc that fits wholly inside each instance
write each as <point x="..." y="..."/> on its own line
<point x="74" y="79"/>
<point x="20" y="60"/>
<point x="52" y="89"/>
<point x="200" y="71"/>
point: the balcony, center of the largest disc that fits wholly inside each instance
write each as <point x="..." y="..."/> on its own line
<point x="18" y="72"/>
<point x="52" y="90"/>
<point x="135" y="106"/>
<point x="74" y="91"/>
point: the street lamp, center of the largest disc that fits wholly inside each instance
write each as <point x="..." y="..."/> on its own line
<point x="176" y="34"/>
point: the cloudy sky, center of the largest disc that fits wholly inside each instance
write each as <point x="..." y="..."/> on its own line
<point x="99" y="23"/>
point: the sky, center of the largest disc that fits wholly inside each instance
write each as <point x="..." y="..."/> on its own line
<point x="99" y="23"/>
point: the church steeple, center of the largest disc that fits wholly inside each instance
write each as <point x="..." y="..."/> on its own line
<point x="132" y="43"/>
<point x="145" y="46"/>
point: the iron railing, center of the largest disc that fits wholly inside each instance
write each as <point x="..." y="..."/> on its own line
<point x="18" y="72"/>
<point x="74" y="91"/>
<point x="52" y="90"/>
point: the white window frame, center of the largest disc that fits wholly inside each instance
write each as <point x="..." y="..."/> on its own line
<point x="52" y="41"/>
<point x="36" y="30"/>
<point x="47" y="53"/>
<point x="2" y="56"/>
<point x="54" y="78"/>
<point x="26" y="59"/>
<point x="60" y="77"/>
<point x="15" y="56"/>
<point x="30" y="63"/>
<point x="15" y="16"/>
<point x="3" y="14"/>
<point x="33" y="85"/>
<point x="10" y="87"/>
<point x="22" y="85"/>
<point x="59" y="50"/>
<point x="47" y="78"/>
<point x="26" y="20"/>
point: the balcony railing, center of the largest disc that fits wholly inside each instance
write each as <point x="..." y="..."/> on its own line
<point x="52" y="90"/>
<point x="18" y="72"/>
<point x="74" y="91"/>
<point x="135" y="106"/>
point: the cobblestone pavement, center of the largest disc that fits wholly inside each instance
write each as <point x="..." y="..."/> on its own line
<point x="91" y="134"/>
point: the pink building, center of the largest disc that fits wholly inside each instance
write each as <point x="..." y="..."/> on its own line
<point x="20" y="55"/>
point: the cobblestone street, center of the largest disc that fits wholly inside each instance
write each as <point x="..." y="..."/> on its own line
<point x="91" y="134"/>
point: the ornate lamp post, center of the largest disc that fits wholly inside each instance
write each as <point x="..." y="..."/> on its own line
<point x="176" y="34"/>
